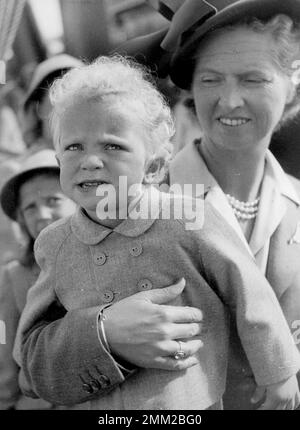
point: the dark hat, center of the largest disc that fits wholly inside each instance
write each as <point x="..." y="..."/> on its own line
<point x="46" y="72"/>
<point x="171" y="50"/>
<point x="39" y="162"/>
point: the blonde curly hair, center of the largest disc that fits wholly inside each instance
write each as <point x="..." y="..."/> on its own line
<point x="127" y="81"/>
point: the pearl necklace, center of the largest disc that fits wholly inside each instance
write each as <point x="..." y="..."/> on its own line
<point x="243" y="210"/>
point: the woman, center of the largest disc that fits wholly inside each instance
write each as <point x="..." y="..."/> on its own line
<point x="238" y="62"/>
<point x="34" y="199"/>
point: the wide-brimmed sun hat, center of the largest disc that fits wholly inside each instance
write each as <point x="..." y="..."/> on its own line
<point x="42" y="161"/>
<point x="170" y="51"/>
<point x="46" y="72"/>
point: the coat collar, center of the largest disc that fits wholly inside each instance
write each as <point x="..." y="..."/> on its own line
<point x="197" y="171"/>
<point x="188" y="167"/>
<point x="277" y="191"/>
<point x="281" y="179"/>
<point x="139" y="220"/>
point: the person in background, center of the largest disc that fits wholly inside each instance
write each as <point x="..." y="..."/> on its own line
<point x="36" y="135"/>
<point x="33" y="198"/>
<point x="36" y="105"/>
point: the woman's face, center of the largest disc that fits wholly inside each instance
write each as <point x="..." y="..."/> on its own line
<point x="42" y="202"/>
<point x="239" y="92"/>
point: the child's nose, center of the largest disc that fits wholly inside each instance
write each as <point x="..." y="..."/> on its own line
<point x="92" y="162"/>
<point x="43" y="212"/>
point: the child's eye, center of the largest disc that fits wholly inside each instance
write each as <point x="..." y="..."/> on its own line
<point x="74" y="147"/>
<point x="28" y="208"/>
<point x="254" y="81"/>
<point x="53" y="201"/>
<point x="113" y="146"/>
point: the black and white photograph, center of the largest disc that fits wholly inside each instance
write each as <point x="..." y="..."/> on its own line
<point x="149" y="210"/>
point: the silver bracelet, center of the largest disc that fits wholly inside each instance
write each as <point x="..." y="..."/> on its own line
<point x="102" y="318"/>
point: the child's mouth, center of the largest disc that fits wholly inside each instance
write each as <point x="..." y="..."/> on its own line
<point x="87" y="185"/>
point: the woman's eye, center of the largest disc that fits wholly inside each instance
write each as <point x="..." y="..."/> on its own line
<point x="210" y="80"/>
<point x="257" y="80"/>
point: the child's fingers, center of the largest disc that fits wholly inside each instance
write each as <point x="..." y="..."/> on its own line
<point x="286" y="406"/>
<point x="267" y="405"/>
<point x="258" y="395"/>
<point x="272" y="404"/>
<point x="289" y="406"/>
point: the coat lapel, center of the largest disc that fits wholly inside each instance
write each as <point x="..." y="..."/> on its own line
<point x="198" y="173"/>
<point x="284" y="254"/>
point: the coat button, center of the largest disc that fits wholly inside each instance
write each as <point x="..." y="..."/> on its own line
<point x="88" y="388"/>
<point x="104" y="381"/>
<point x="100" y="259"/>
<point x="136" y="250"/>
<point x="107" y="296"/>
<point x="145" y="285"/>
<point x="95" y="385"/>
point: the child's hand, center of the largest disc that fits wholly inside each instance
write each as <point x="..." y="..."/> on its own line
<point x="283" y="395"/>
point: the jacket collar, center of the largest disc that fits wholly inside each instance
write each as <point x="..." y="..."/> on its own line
<point x="198" y="173"/>
<point x="276" y="189"/>
<point x="281" y="179"/>
<point x="139" y="220"/>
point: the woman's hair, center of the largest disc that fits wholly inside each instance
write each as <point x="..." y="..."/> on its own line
<point x="26" y="254"/>
<point x="286" y="35"/>
<point x="120" y="80"/>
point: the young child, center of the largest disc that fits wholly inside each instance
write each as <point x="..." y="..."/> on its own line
<point x="34" y="199"/>
<point x="112" y="130"/>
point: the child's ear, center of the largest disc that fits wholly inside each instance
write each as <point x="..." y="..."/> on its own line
<point x="57" y="159"/>
<point x="291" y="92"/>
<point x="153" y="171"/>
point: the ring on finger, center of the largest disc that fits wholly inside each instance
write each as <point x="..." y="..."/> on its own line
<point x="180" y="354"/>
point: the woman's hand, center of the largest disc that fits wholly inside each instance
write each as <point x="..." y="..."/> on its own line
<point x="144" y="331"/>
